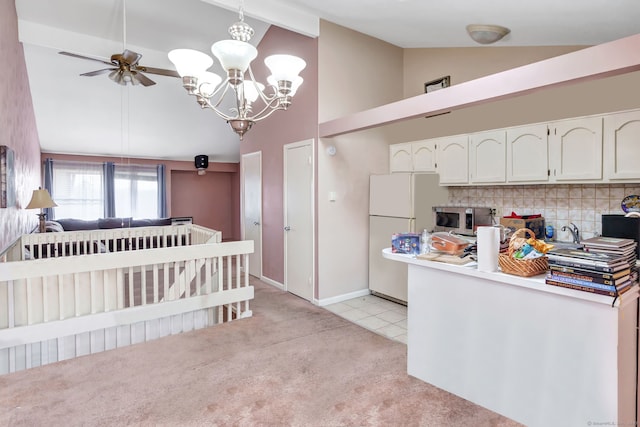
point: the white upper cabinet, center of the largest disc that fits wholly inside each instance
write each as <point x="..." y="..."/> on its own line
<point x="487" y="157"/>
<point x="575" y="150"/>
<point x="528" y="154"/>
<point x="452" y="154"/>
<point x="622" y="146"/>
<point x="400" y="158"/>
<point x="424" y="155"/>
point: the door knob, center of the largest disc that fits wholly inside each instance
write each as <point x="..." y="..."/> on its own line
<point x="256" y="223"/>
<point x="287" y="228"/>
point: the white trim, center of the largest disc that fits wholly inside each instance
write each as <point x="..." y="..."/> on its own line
<point x="344" y="297"/>
<point x="272" y="283"/>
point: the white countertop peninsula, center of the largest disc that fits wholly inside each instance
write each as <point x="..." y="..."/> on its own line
<point x="539" y="354"/>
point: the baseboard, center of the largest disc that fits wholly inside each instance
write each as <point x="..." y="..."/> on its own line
<point x="272" y="283"/>
<point x="343" y="297"/>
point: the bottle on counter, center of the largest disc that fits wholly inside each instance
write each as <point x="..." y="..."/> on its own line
<point x="425" y="244"/>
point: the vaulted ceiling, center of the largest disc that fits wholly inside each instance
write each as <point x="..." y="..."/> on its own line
<point x="93" y="115"/>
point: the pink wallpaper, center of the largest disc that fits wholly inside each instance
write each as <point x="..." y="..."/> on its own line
<point x="17" y="127"/>
<point x="298" y="123"/>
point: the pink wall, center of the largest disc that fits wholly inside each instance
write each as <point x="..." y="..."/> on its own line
<point x="298" y="123"/>
<point x="17" y="127"/>
<point x="205" y="198"/>
<point x="212" y="199"/>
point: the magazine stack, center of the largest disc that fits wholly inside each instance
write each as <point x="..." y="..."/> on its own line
<point x="606" y="266"/>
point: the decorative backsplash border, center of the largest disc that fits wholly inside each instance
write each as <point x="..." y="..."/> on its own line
<point x="582" y="204"/>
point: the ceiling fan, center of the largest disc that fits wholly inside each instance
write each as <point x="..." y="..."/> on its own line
<point x="125" y="67"/>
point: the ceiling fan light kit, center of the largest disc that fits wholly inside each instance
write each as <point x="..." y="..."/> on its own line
<point x="235" y="57"/>
<point x="487" y="34"/>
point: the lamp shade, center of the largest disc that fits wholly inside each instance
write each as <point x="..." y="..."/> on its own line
<point x="234" y="54"/>
<point x="41" y="200"/>
<point x="285" y="67"/>
<point x="190" y="62"/>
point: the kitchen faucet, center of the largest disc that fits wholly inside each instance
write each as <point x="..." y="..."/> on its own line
<point x="574" y="232"/>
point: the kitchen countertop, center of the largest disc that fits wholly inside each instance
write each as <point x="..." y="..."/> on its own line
<point x="535" y="282"/>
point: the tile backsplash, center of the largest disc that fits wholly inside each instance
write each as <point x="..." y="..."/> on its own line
<point x="582" y="204"/>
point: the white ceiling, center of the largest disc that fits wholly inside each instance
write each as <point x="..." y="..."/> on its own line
<point x="93" y="115"/>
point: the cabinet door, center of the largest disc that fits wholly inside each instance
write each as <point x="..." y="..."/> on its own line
<point x="424" y="155"/>
<point x="528" y="154"/>
<point x="576" y="150"/>
<point x="622" y="146"/>
<point x="487" y="159"/>
<point x="452" y="157"/>
<point x="400" y="159"/>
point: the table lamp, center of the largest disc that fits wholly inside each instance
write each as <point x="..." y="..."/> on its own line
<point x="41" y="200"/>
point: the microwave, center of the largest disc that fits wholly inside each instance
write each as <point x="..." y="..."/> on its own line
<point x="461" y="220"/>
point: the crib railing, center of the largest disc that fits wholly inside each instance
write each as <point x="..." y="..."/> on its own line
<point x="62" y="307"/>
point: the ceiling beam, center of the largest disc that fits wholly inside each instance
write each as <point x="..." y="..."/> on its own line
<point x="604" y="60"/>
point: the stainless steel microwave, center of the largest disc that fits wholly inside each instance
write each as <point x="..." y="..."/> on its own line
<point x="461" y="220"/>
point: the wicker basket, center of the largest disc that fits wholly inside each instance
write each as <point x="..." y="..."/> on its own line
<point x="521" y="267"/>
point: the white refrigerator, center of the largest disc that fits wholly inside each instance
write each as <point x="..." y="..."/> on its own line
<point x="398" y="203"/>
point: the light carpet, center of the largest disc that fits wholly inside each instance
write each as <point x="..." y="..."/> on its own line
<point x="291" y="364"/>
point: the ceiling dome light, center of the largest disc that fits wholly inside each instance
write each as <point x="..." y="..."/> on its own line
<point x="487" y="34"/>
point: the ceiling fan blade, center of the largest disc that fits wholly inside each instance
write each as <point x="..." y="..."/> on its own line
<point x="144" y="80"/>
<point x="159" y="71"/>
<point x="131" y="57"/>
<point x="75" y="55"/>
<point x="98" y="72"/>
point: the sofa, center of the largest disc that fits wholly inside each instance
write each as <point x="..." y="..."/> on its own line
<point x="73" y="224"/>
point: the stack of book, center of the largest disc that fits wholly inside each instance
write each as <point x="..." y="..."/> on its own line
<point x="606" y="266"/>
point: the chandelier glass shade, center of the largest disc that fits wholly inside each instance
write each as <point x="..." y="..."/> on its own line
<point x="235" y="57"/>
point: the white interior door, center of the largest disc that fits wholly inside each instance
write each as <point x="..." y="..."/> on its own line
<point x="251" y="185"/>
<point x="298" y="220"/>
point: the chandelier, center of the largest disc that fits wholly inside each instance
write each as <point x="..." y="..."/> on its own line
<point x="235" y="56"/>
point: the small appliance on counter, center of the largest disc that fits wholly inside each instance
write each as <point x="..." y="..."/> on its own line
<point x="461" y="220"/>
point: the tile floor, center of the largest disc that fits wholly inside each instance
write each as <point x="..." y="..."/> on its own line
<point x="376" y="314"/>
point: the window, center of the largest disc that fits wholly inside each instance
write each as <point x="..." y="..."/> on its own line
<point x="78" y="190"/>
<point x="136" y="191"/>
<point x="81" y="190"/>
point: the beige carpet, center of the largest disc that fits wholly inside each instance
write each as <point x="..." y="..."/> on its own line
<point x="291" y="364"/>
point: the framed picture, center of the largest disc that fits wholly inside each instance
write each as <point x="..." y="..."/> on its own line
<point x="7" y="178"/>
<point x="440" y="83"/>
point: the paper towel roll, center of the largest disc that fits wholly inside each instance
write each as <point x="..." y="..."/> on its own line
<point x="488" y="248"/>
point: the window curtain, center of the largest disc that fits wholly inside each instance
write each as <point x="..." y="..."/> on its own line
<point x="48" y="185"/>
<point x="162" y="192"/>
<point x="109" y="190"/>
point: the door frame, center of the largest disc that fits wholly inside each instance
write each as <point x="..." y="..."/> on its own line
<point x="242" y="205"/>
<point x="308" y="142"/>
